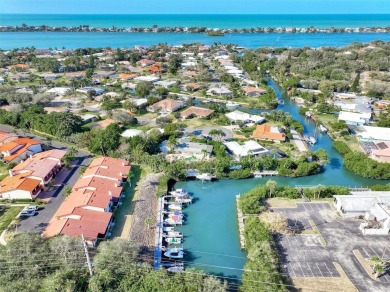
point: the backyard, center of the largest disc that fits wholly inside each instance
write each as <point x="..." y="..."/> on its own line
<point x="7" y="214"/>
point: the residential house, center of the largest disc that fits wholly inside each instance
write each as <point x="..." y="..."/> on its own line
<point x="368" y="133"/>
<point x="192" y="87"/>
<point x="127" y="76"/>
<point x="149" y="78"/>
<point x="75" y="75"/>
<point x="355" y="119"/>
<point x="42" y="166"/>
<point x="269" y="133"/>
<point x="251" y="148"/>
<point x="253" y="91"/>
<point x="185" y="149"/>
<point x="97" y="90"/>
<point x="131" y="133"/>
<point x="165" y="83"/>
<point x="145" y="62"/>
<point x="381" y="153"/>
<point x="87" y="210"/>
<point x="7" y="137"/>
<point x="58" y="90"/>
<point x="238" y="116"/>
<point x="19" y="149"/>
<point x="196" y="111"/>
<point x="166" y="106"/>
<point x="20" y="187"/>
<point x="49" y="76"/>
<point x="223" y="91"/>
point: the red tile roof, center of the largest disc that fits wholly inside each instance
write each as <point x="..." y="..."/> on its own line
<point x="265" y="132"/>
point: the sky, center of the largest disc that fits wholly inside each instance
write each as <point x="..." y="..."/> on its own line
<point x="195" y="6"/>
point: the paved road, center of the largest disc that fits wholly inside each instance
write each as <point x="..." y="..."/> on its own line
<point x="65" y="178"/>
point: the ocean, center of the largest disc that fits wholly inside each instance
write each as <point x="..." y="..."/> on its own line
<point x="204" y="20"/>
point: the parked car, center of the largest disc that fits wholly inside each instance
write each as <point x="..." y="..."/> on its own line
<point x="27" y="213"/>
<point x="32" y="208"/>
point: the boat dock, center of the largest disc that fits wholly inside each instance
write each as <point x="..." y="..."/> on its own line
<point x="241" y="225"/>
<point x="159" y="234"/>
<point x="265" y="173"/>
<point x="297" y="139"/>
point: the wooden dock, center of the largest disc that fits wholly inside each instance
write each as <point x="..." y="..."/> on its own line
<point x="159" y="234"/>
<point x="266" y="173"/>
<point x="241" y="225"/>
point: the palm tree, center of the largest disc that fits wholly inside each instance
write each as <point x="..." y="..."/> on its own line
<point x="271" y="186"/>
<point x="72" y="151"/>
<point x="378" y="268"/>
<point x="218" y="133"/>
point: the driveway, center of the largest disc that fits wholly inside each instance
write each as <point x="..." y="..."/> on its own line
<point x="65" y="178"/>
<point x="205" y="130"/>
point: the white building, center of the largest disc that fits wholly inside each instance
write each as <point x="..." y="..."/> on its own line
<point x="248" y="148"/>
<point x="131" y="133"/>
<point x="58" y="90"/>
<point x="355" y="119"/>
<point x="374" y="133"/>
<point x="238" y="116"/>
<point x="149" y="78"/>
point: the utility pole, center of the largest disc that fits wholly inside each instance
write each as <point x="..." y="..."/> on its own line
<point x="87" y="255"/>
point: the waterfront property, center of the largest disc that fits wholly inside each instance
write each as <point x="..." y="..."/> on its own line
<point x="269" y="133"/>
<point x="355" y="119"/>
<point x="87" y="210"/>
<point x="251" y="148"/>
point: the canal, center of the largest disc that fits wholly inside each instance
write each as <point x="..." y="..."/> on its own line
<point x="211" y="234"/>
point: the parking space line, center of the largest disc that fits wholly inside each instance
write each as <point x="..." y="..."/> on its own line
<point x="319" y="270"/>
<point x="301" y="269"/>
<point x="331" y="274"/>
<point x="374" y="252"/>
<point x="365" y="251"/>
<point x="310" y="269"/>
<point x="292" y="269"/>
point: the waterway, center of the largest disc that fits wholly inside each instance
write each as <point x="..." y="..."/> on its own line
<point x="72" y="40"/>
<point x="212" y="240"/>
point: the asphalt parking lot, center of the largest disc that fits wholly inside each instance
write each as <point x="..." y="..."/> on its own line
<point x="304" y="255"/>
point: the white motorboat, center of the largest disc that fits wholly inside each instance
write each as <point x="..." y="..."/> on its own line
<point x="174" y="253"/>
<point x="206" y="176"/>
<point x="173" y="240"/>
<point x="179" y="216"/>
<point x="175" y="207"/>
<point x="173" y="234"/>
<point x="312" y="140"/>
<point x="184" y="200"/>
<point x="323" y="129"/>
<point x="168" y="229"/>
<point x="171" y="221"/>
<point x="179" y="193"/>
<point x="231" y="105"/>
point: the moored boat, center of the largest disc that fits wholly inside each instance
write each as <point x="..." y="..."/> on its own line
<point x="176" y="269"/>
<point x="171" y="221"/>
<point x="206" y="176"/>
<point x="173" y="240"/>
<point x="231" y="105"/>
<point x="175" y="206"/>
<point x="323" y="129"/>
<point x="174" y="253"/>
<point x="173" y="234"/>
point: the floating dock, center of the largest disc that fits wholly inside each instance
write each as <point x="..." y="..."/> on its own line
<point x="265" y="173"/>
<point x="159" y="234"/>
<point x="241" y="225"/>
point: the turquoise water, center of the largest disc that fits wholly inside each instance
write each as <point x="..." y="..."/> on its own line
<point x="212" y="239"/>
<point x="71" y="40"/>
<point x="205" y="20"/>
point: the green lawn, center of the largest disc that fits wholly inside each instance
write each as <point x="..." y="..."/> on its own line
<point x="127" y="207"/>
<point x="7" y="215"/>
<point x="3" y="170"/>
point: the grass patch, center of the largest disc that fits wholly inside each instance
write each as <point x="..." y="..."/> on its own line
<point x="123" y="213"/>
<point x="314" y="226"/>
<point x="162" y="188"/>
<point x="3" y="170"/>
<point x="7" y="215"/>
<point x="282" y="202"/>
